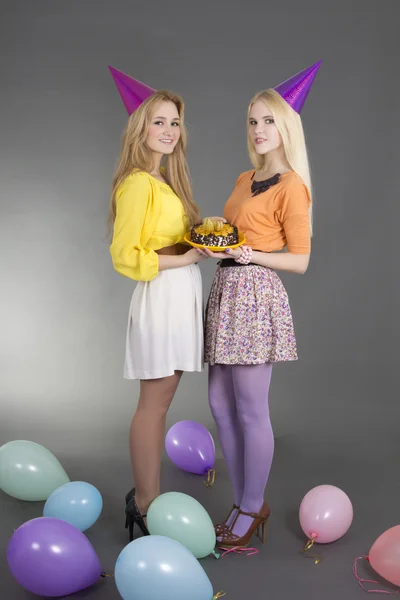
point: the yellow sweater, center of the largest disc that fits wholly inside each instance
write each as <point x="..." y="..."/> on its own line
<point x="149" y="216"/>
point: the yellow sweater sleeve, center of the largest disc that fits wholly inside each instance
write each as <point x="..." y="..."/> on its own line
<point x="136" y="210"/>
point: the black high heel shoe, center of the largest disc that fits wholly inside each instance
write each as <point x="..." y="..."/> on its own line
<point x="134" y="516"/>
<point x="130" y="495"/>
<point x="128" y="498"/>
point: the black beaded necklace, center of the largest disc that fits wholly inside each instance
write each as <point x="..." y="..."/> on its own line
<point x="258" y="187"/>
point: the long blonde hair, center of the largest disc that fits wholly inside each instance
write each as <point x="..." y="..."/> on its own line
<point x="289" y="125"/>
<point x="136" y="155"/>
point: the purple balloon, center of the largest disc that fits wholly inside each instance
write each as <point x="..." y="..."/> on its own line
<point x="191" y="447"/>
<point x="50" y="557"/>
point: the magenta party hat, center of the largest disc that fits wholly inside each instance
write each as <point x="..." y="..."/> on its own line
<point x="132" y="91"/>
<point x="296" y="89"/>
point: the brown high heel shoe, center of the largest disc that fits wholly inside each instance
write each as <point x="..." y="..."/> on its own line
<point x="229" y="539"/>
<point x="220" y="528"/>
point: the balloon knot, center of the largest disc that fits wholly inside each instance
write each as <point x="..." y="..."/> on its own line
<point x="308" y="546"/>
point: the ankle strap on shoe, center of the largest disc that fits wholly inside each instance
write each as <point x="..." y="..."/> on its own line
<point x="250" y="514"/>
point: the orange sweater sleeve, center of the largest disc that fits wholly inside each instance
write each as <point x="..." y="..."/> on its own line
<point x="293" y="214"/>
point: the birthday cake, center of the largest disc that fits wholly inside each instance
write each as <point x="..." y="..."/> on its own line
<point x="214" y="233"/>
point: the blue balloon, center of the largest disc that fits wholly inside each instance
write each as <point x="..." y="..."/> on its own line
<point x="159" y="568"/>
<point x="79" y="503"/>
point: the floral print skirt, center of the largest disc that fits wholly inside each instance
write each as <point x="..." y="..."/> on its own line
<point x="248" y="318"/>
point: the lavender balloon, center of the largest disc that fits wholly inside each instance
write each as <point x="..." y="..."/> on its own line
<point x="50" y="557"/>
<point x="191" y="447"/>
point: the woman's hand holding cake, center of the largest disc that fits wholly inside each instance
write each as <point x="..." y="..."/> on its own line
<point x="229" y="253"/>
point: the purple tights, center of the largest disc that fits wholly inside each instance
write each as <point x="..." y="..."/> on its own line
<point x="238" y="397"/>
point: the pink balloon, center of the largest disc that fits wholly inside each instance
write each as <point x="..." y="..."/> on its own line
<point x="326" y="513"/>
<point x="384" y="555"/>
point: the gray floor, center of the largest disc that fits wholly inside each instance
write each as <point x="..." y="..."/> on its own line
<point x="365" y="466"/>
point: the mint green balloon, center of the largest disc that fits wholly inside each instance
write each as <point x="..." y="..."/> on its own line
<point x="181" y="518"/>
<point x="28" y="471"/>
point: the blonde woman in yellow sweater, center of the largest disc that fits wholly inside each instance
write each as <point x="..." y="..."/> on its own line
<point x="151" y="210"/>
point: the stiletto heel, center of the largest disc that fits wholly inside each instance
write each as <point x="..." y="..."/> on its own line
<point x="261" y="531"/>
<point x="130" y="525"/>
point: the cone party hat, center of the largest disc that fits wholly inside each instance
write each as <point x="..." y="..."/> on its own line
<point x="296" y="89"/>
<point x="132" y="91"/>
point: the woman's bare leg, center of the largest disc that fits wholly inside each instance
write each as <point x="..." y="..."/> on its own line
<point x="147" y="435"/>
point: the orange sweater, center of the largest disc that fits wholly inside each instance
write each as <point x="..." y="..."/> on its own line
<point x="275" y="218"/>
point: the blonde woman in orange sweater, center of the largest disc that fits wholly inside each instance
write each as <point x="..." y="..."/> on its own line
<point x="249" y="322"/>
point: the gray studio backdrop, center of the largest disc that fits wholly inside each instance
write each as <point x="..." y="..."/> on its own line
<point x="63" y="308"/>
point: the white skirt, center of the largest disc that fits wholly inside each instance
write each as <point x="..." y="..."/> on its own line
<point x="165" y="326"/>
